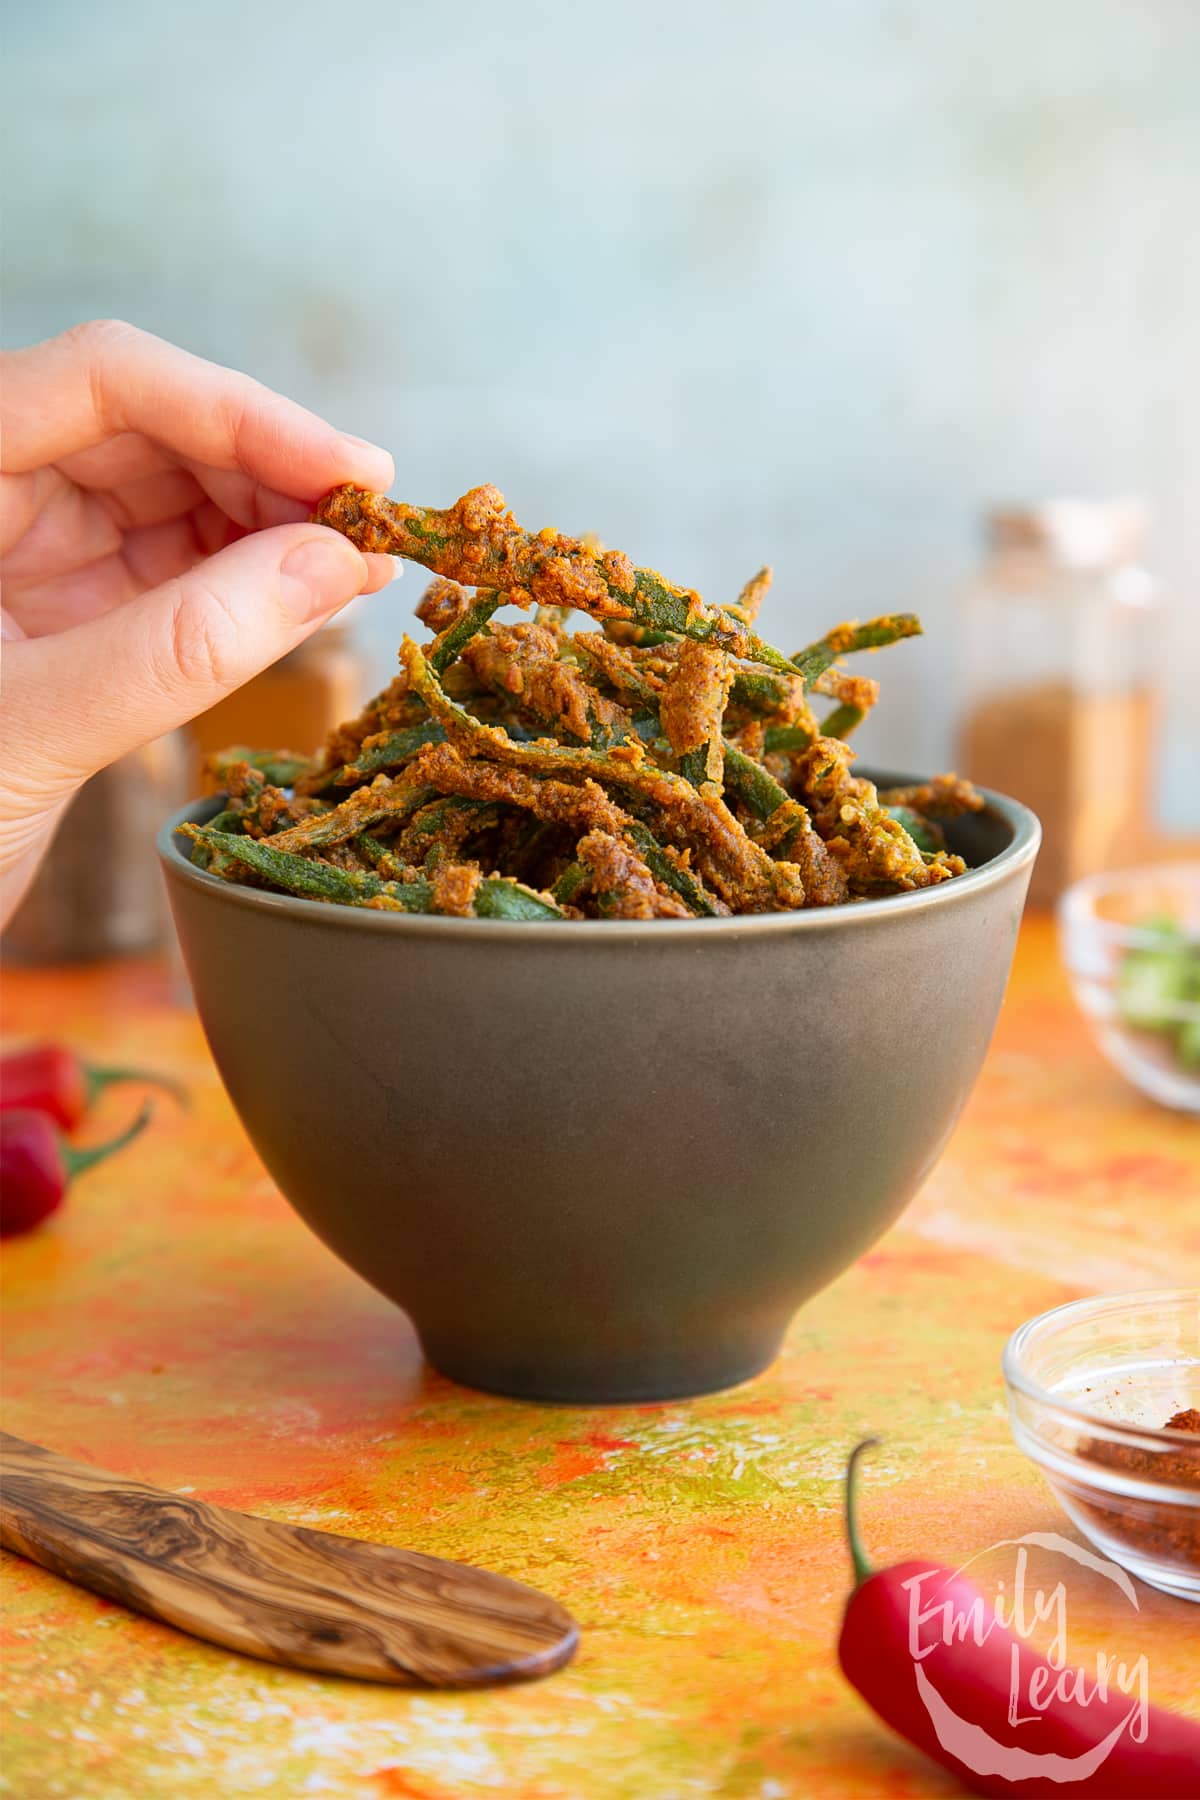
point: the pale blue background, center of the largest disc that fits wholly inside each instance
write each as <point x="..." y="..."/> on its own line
<point x="807" y="282"/>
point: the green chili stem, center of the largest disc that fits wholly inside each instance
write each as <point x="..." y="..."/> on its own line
<point x="862" y="1568"/>
<point x="77" y="1160"/>
<point x="96" y="1079"/>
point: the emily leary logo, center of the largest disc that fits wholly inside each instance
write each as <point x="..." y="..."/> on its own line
<point x="1036" y="1681"/>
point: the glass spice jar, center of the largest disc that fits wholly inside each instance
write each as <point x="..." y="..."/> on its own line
<point x="1059" y="694"/>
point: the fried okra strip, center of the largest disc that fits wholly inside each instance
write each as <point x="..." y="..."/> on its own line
<point x="570" y="883"/>
<point x="746" y="607"/>
<point x="777" y="700"/>
<point x="754" y="786"/>
<point x="945" y="797"/>
<point x="581" y="806"/>
<point x="384" y="753"/>
<point x="788" y="830"/>
<point x="843" y="640"/>
<point x="439" y="832"/>
<point x="842" y="721"/>
<point x="742" y="874"/>
<point x="392" y="801"/>
<point x="263" y="808"/>
<point x="456" y="888"/>
<point x="496" y="897"/>
<point x="849" y="690"/>
<point x="640" y="690"/>
<point x="478" y="541"/>
<point x="452" y="642"/>
<point x="282" y="768"/>
<point x="621" y="883"/>
<point x="522" y="664"/>
<point x="612" y="663"/>
<point x="928" y="837"/>
<point x="442" y="604"/>
<point x="874" y="848"/>
<point x="692" y="709"/>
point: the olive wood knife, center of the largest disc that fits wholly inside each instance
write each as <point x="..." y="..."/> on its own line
<point x="307" y="1599"/>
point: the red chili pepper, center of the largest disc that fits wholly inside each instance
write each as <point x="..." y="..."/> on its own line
<point x="952" y="1698"/>
<point x="52" y="1079"/>
<point x="36" y="1166"/>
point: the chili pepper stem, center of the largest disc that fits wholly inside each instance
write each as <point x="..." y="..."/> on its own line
<point x="76" y="1161"/>
<point x="862" y="1568"/>
<point x="97" y="1078"/>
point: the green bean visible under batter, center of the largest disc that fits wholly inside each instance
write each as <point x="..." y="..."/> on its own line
<point x="477" y="541"/>
<point x="497" y="897"/>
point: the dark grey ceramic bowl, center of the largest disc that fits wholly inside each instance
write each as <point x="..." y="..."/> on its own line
<point x="603" y="1161"/>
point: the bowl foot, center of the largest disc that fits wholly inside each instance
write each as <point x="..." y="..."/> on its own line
<point x="661" y="1373"/>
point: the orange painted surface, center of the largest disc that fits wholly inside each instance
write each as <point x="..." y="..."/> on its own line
<point x="176" y="1322"/>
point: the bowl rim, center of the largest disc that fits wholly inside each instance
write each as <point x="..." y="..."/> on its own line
<point x="1018" y="1381"/>
<point x="1016" y="856"/>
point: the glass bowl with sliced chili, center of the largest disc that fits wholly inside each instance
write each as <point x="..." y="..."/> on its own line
<point x="1104" y="1395"/>
<point x="1130" y="940"/>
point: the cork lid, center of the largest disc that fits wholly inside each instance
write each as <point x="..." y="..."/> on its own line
<point x="1075" y="533"/>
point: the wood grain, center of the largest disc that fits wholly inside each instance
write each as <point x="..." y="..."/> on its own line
<point x="308" y="1599"/>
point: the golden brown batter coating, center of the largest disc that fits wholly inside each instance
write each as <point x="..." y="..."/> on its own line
<point x="622" y="884"/>
<point x="945" y="797"/>
<point x="749" y="601"/>
<point x="875" y="850"/>
<point x="442" y="604"/>
<point x="667" y="766"/>
<point x="693" y="704"/>
<point x="477" y="541"/>
<point x="521" y="662"/>
<point x="455" y="886"/>
<point x="849" y="690"/>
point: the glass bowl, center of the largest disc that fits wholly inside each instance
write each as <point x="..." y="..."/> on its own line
<point x="1131" y="944"/>
<point x="1091" y="1386"/>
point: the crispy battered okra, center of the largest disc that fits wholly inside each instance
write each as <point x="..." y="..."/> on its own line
<point x="671" y="765"/>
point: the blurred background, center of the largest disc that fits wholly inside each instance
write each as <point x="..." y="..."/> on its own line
<point x="795" y="281"/>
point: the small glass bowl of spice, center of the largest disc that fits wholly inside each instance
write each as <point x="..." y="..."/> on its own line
<point x="1104" y="1395"/>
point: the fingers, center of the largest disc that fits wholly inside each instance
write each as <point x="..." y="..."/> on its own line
<point x="129" y="459"/>
<point x="77" y="700"/>
<point x="105" y="378"/>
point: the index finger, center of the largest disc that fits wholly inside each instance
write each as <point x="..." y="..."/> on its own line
<point x="103" y="378"/>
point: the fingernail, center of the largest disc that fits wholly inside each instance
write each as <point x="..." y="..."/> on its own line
<point x="356" y="447"/>
<point x="319" y="575"/>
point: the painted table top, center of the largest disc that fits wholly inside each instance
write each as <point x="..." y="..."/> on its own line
<point x="177" y="1323"/>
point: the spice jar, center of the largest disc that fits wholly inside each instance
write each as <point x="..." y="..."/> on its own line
<point x="290" y="706"/>
<point x="98" y="890"/>
<point x="1059" y="690"/>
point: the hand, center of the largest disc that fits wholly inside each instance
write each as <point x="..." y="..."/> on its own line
<point x="155" y="552"/>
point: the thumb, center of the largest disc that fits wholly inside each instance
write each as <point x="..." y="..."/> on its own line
<point x="77" y="700"/>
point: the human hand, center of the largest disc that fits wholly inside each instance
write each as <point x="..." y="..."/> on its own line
<point x="156" y="553"/>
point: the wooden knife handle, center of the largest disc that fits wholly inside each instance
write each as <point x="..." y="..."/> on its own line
<point x="304" y="1598"/>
